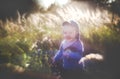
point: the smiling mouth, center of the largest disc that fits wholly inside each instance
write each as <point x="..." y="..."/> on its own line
<point x="68" y="38"/>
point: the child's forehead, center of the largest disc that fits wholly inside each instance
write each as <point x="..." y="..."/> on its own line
<point x="68" y="27"/>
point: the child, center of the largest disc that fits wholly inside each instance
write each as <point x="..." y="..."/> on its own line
<point x="70" y="51"/>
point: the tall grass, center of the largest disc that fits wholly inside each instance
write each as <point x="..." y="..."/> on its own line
<point x="31" y="42"/>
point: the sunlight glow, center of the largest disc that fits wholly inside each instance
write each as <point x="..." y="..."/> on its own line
<point x="47" y="3"/>
<point x="61" y="2"/>
<point x="110" y="1"/>
<point x="26" y="65"/>
<point x="44" y="3"/>
<point x="83" y="15"/>
<point x="88" y="17"/>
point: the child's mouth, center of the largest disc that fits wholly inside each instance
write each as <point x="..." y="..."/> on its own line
<point x="68" y="38"/>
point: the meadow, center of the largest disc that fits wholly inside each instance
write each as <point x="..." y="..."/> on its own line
<point x="28" y="44"/>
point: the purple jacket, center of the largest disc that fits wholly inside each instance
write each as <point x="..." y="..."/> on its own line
<point x="70" y="54"/>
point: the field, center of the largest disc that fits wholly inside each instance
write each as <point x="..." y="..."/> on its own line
<point x="28" y="44"/>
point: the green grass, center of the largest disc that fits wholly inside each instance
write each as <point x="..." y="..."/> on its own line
<point x="20" y="39"/>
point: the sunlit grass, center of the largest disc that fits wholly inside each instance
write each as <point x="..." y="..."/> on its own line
<point x="42" y="31"/>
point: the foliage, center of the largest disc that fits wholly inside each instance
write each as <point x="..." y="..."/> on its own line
<point x="20" y="41"/>
<point x="32" y="44"/>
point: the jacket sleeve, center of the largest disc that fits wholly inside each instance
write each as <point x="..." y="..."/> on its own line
<point x="75" y="55"/>
<point x="79" y="53"/>
<point x="58" y="55"/>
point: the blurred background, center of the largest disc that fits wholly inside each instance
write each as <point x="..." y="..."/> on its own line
<point x="30" y="35"/>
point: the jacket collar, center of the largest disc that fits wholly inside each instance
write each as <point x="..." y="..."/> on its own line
<point x="67" y="44"/>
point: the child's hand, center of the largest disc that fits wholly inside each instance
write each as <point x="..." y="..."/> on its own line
<point x="66" y="54"/>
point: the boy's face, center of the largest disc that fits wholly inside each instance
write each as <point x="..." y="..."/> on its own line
<point x="69" y="33"/>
